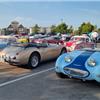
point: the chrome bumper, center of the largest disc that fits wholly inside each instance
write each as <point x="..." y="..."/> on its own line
<point x="76" y="72"/>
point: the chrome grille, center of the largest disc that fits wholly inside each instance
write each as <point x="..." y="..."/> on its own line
<point x="75" y="72"/>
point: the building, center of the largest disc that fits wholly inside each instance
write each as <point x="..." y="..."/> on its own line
<point x="45" y="29"/>
<point x="15" y="28"/>
<point x="41" y="30"/>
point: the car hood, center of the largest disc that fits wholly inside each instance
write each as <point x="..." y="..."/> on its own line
<point x="12" y="50"/>
<point x="70" y="43"/>
<point x="80" y="60"/>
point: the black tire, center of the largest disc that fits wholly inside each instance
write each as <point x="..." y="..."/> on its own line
<point x="63" y="51"/>
<point x="61" y="75"/>
<point x="34" y="60"/>
<point x="83" y="81"/>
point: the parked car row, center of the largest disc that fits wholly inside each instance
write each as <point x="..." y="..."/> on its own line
<point x="78" y="63"/>
<point x="71" y="42"/>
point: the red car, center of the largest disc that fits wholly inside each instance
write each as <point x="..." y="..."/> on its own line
<point x="79" y="42"/>
<point x="51" y="39"/>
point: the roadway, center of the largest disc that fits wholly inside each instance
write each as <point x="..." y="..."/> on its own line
<point x="21" y="83"/>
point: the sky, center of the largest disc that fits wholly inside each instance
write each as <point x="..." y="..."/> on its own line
<point x="47" y="13"/>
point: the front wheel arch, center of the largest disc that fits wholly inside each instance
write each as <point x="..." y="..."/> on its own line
<point x="64" y="50"/>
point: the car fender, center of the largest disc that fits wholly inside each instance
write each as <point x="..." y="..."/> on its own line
<point x="94" y="71"/>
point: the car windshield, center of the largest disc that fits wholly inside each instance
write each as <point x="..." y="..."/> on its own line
<point x="65" y="38"/>
<point x="77" y="39"/>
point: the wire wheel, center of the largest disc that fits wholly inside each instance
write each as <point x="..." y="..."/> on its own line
<point x="34" y="60"/>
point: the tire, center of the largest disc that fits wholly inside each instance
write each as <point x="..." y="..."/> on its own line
<point x="61" y="75"/>
<point x="63" y="51"/>
<point x="34" y="60"/>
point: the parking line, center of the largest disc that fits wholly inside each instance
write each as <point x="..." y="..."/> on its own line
<point x="24" y="77"/>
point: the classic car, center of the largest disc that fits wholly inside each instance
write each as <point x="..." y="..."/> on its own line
<point x="31" y="53"/>
<point x="82" y="64"/>
<point x="22" y="40"/>
<point x="33" y="38"/>
<point x="65" y="37"/>
<point x="6" y="41"/>
<point x="79" y="42"/>
<point x="51" y="39"/>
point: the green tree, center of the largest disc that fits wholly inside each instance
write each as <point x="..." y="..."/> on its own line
<point x="95" y="27"/>
<point x="70" y="30"/>
<point x="86" y="28"/>
<point x="53" y="29"/>
<point x="35" y="29"/>
<point x="76" y="32"/>
<point x="80" y="28"/>
<point x="98" y="30"/>
<point x="62" y="28"/>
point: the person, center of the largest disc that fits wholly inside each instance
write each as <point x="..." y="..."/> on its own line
<point x="94" y="35"/>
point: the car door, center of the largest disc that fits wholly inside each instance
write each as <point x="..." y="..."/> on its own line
<point x="52" y="51"/>
<point x="48" y="51"/>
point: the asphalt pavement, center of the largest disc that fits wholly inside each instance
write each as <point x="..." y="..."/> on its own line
<point x="43" y="84"/>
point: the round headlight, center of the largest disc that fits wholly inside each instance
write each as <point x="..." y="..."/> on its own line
<point x="91" y="62"/>
<point x="68" y="59"/>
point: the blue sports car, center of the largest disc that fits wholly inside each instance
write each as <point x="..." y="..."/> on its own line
<point x="81" y="64"/>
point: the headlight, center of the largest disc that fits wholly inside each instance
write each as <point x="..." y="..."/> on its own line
<point x="91" y="62"/>
<point x="68" y="59"/>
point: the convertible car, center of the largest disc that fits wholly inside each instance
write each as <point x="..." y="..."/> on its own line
<point x="31" y="53"/>
<point x="51" y="39"/>
<point x="79" y="42"/>
<point x="81" y="64"/>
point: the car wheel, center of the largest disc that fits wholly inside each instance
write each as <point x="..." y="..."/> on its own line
<point x="34" y="60"/>
<point x="61" y="75"/>
<point x="63" y="51"/>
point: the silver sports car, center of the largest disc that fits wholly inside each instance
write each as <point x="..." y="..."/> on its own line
<point x="31" y="53"/>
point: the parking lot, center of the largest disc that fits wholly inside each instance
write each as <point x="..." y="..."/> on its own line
<point x="21" y="83"/>
<point x="49" y="50"/>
